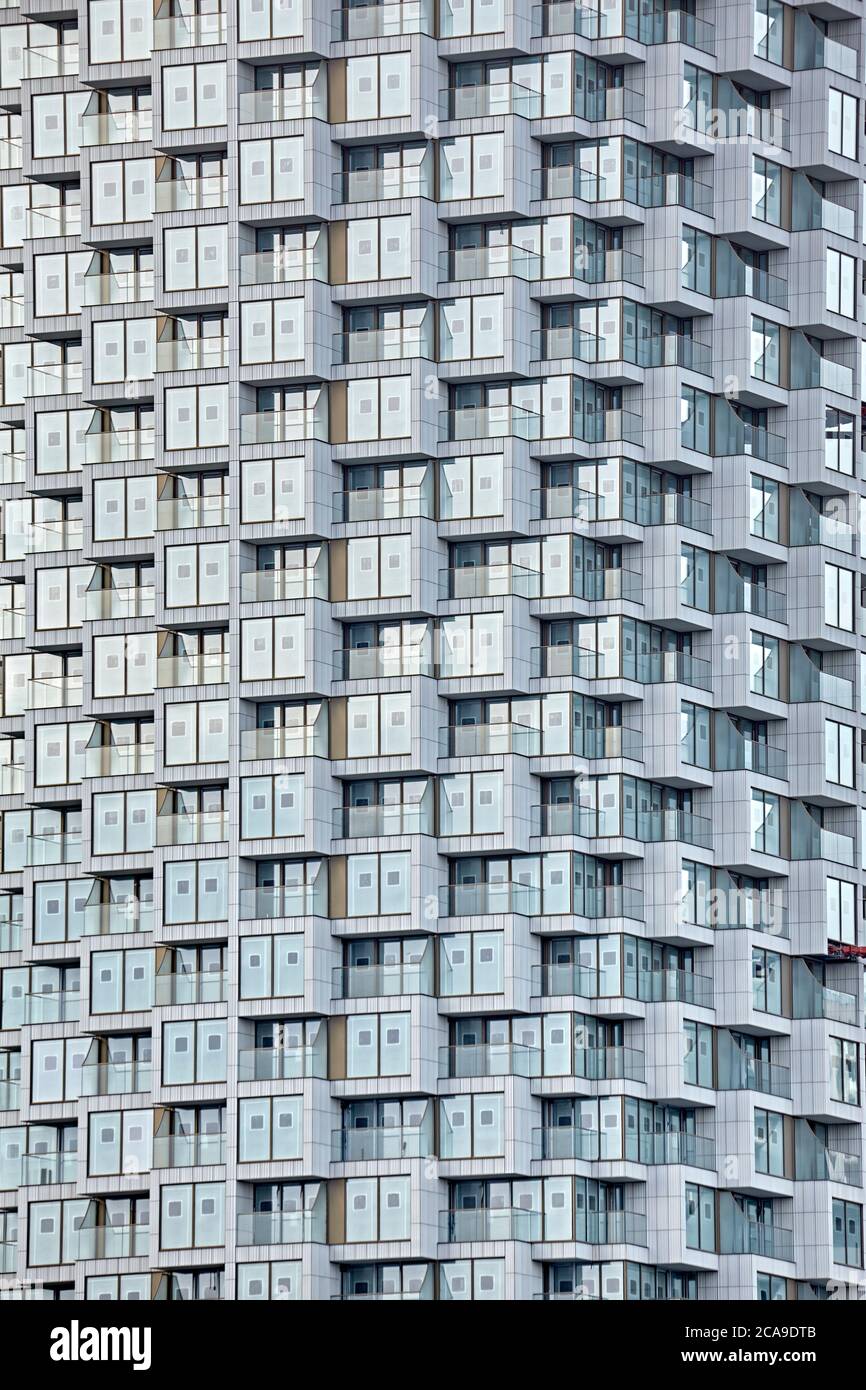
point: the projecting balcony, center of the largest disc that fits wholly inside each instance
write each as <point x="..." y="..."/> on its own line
<point x="486" y="1224"/>
<point x="489" y="1059"/>
<point x="663" y="190"/>
<point x="620" y="19"/>
<point x="655" y="350"/>
<point x="42" y="1170"/>
<point x="54" y="379"/>
<point x="120" y="917"/>
<point x="813" y="49"/>
<point x="380" y="185"/>
<point x="393" y="17"/>
<point x="382" y="1142"/>
<point x="384" y="344"/>
<point x="384" y="981"/>
<point x="284" y="585"/>
<point x="650" y="668"/>
<point x="119" y="601"/>
<point x="282" y="1227"/>
<point x="51" y="60"/>
<point x="489" y="422"/>
<point x="115" y="1078"/>
<point x="203" y="668"/>
<point x="188" y="30"/>
<point x="191" y="195"/>
<point x="285" y="103"/>
<point x="810" y="685"/>
<point x="55" y="1006"/>
<point x="53" y="221"/>
<point x="190" y="987"/>
<point x="565" y="501"/>
<point x="282" y="1064"/>
<point x="745" y="1073"/>
<point x="286" y="265"/>
<point x="401" y="818"/>
<point x="299" y="741"/>
<point x="188" y="1150"/>
<point x="115" y="127"/>
<point x="284" y="426"/>
<point x="490" y="99"/>
<point x="54" y="692"/>
<point x="647" y="986"/>
<point x="375" y="663"/>
<point x="54" y="847"/>
<point x="385" y="503"/>
<point x="284" y="900"/>
<point x="571" y="1142"/>
<point x="810" y="839"/>
<point x="489" y="263"/>
<point x="745" y="280"/>
<point x="756" y="1238"/>
<point x="118" y="759"/>
<point x="117" y="287"/>
<point x="649" y="827"/>
<point x="192" y="828"/>
<point x="191" y="354"/>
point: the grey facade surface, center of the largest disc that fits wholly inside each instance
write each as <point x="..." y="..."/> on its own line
<point x="432" y="650"/>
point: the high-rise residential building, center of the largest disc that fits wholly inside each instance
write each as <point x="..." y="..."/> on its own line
<point x="432" y="649"/>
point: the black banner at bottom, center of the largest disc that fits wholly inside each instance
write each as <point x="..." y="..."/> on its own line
<point x="250" y="1340"/>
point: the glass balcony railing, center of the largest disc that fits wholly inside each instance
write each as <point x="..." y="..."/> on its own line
<point x="119" y="446"/>
<point x="60" y="847"/>
<point x="383" y="981"/>
<point x="489" y="422"/>
<point x="191" y="195"/>
<point x="401" y="818"/>
<point x="10" y="1095"/>
<point x="489" y="1059"/>
<point x="57" y="1006"/>
<point x="51" y="60"/>
<point x="283" y="900"/>
<point x="281" y="1064"/>
<point x="10" y="934"/>
<point x="281" y="1227"/>
<point x="387" y="20"/>
<point x="191" y="354"/>
<point x="285" y="265"/>
<point x="188" y="1150"/>
<point x="116" y="127"/>
<point x="620" y="19"/>
<point x="283" y="426"/>
<point x="489" y="1223"/>
<point x="821" y="1164"/>
<point x="489" y="99"/>
<point x="753" y="284"/>
<point x="51" y="221"/>
<point x="482" y="899"/>
<point x="284" y="585"/>
<point x="189" y="30"/>
<point x="649" y="827"/>
<point x="41" y="1170"/>
<point x="184" y="513"/>
<point x="380" y="185"/>
<point x="648" y="986"/>
<point x="488" y="581"/>
<point x="118" y="287"/>
<point x="54" y="379"/>
<point x="739" y="754"/>
<point x="118" y="760"/>
<point x="374" y="663"/>
<point x="192" y="828"/>
<point x="108" y="919"/>
<point x="747" y="1073"/>
<point x="283" y="104"/>
<point x="489" y="263"/>
<point x="569" y="181"/>
<point x="381" y="1142"/>
<point x="112" y="1242"/>
<point x="132" y="601"/>
<point x="572" y="1142"/>
<point x="757" y="1238"/>
<point x="385" y="504"/>
<point x="203" y="668"/>
<point x="565" y="500"/>
<point x="384" y="344"/>
<point x="482" y="740"/>
<point x="115" y="1078"/>
<point x="302" y="741"/>
<point x="190" y="987"/>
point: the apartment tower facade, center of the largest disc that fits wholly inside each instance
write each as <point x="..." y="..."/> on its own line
<point x="473" y="912"/>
